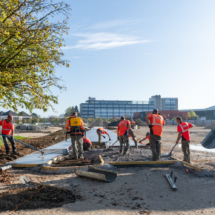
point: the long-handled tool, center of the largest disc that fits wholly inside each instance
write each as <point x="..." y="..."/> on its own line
<point x="25" y="180"/>
<point x="170" y="154"/>
<point x="113" y="144"/>
<point x="42" y="152"/>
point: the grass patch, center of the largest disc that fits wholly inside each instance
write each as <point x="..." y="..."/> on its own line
<point x="15" y="137"/>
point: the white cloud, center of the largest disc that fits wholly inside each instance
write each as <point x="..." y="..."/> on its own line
<point x="103" y="40"/>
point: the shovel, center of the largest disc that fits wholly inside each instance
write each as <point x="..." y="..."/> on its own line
<point x="25" y="180"/>
<point x="170" y="154"/>
<point x="113" y="144"/>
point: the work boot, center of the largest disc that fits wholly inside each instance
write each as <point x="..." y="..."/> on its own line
<point x="81" y="157"/>
<point x="8" y="153"/>
<point x="16" y="153"/>
<point x="126" y="152"/>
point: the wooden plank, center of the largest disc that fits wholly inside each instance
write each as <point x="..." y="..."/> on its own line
<point x="24" y="165"/>
<point x="189" y="165"/>
<point x="101" y="159"/>
<point x="142" y="162"/>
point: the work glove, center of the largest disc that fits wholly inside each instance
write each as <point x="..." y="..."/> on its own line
<point x="109" y="139"/>
<point x="150" y="126"/>
<point x="118" y="138"/>
<point x="140" y="142"/>
<point x="103" y="136"/>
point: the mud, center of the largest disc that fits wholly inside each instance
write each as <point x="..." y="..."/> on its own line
<point x="112" y="155"/>
<point x="73" y="162"/>
<point x="45" y="198"/>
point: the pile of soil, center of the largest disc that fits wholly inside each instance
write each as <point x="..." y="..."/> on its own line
<point x="140" y="122"/>
<point x="210" y="126"/>
<point x="73" y="162"/>
<point x="102" y="123"/>
<point x="46" y="198"/>
<point x="40" y="143"/>
<point x="115" y="123"/>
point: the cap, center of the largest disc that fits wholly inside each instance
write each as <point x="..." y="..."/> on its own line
<point x="122" y="117"/>
<point x="155" y="110"/>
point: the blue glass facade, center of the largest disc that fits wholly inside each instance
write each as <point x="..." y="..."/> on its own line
<point x="109" y="109"/>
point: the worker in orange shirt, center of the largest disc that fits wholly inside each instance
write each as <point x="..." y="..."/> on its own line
<point x="147" y="137"/>
<point x="8" y="130"/>
<point x="184" y="135"/>
<point x="156" y="130"/>
<point x="123" y="135"/>
<point x="77" y="133"/>
<point x="87" y="143"/>
<point x="101" y="131"/>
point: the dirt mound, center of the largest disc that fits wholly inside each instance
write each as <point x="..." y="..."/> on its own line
<point x="210" y="126"/>
<point x="115" y="123"/>
<point x="140" y="122"/>
<point x="102" y="123"/>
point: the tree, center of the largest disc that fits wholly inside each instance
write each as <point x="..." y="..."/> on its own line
<point x="69" y="111"/>
<point x="193" y="114"/>
<point x="76" y="109"/>
<point x="30" y="45"/>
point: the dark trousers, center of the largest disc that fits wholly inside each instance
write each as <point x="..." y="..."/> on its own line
<point x="124" y="141"/>
<point x="100" y="136"/>
<point x="155" y="145"/>
<point x="6" y="144"/>
<point x="186" y="150"/>
<point x="77" y="151"/>
<point x="131" y="133"/>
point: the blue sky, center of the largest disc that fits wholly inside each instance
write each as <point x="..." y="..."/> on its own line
<point x="131" y="50"/>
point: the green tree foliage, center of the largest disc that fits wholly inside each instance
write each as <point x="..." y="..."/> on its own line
<point x="69" y="111"/>
<point x="191" y="115"/>
<point x="30" y="45"/>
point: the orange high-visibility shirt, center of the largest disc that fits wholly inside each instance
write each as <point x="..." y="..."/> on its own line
<point x="7" y="127"/>
<point x="102" y="130"/>
<point x="68" y="125"/>
<point x="123" y="127"/>
<point x="87" y="140"/>
<point x="157" y="123"/>
<point x="184" y="129"/>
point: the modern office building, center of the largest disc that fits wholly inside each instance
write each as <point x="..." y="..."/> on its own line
<point x="112" y="108"/>
<point x="165" y="103"/>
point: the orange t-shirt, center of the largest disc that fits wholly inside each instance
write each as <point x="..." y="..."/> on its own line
<point x="102" y="130"/>
<point x="7" y="127"/>
<point x="86" y="140"/>
<point x="123" y="127"/>
<point x="156" y="119"/>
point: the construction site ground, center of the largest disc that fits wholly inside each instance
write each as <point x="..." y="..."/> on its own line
<point x="129" y="193"/>
<point x="40" y="143"/>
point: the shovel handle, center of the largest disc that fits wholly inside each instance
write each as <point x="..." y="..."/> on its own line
<point x="112" y="144"/>
<point x="173" y="148"/>
<point x="45" y="185"/>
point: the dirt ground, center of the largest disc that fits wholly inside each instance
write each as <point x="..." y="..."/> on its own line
<point x="130" y="193"/>
<point x="37" y="134"/>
